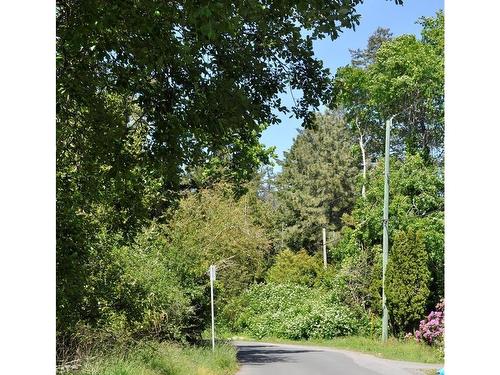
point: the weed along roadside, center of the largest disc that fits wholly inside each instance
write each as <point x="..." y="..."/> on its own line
<point x="161" y="358"/>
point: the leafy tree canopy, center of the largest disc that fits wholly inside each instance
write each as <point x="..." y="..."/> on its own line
<point x="204" y="76"/>
<point x="403" y="78"/>
<point x="211" y="227"/>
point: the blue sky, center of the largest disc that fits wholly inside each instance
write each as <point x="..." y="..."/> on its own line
<point x="374" y="13"/>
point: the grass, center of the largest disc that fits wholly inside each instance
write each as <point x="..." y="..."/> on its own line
<point x="394" y="349"/>
<point x="166" y="359"/>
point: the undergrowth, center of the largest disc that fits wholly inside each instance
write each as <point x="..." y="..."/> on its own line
<point x="155" y="358"/>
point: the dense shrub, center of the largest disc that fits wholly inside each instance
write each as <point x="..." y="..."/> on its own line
<point x="295" y="268"/>
<point x="151" y="299"/>
<point x="355" y="276"/>
<point x="136" y="292"/>
<point x="348" y="244"/>
<point x="212" y="227"/>
<point x="292" y="312"/>
<point x="407" y="280"/>
<point x="155" y="285"/>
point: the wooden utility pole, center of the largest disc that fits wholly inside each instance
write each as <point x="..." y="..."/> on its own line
<point x="385" y="240"/>
<point x="324" y="248"/>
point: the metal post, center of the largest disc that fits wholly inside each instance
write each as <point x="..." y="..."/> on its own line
<point x="324" y="247"/>
<point x="212" y="278"/>
<point x="385" y="241"/>
<point x="282" y="229"/>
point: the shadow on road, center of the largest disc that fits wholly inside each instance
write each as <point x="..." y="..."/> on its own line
<point x="262" y="354"/>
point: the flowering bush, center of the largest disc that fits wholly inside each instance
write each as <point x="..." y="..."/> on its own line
<point x="431" y="329"/>
<point x="292" y="312"/>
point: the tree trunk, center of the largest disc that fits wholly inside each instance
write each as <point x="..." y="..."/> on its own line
<point x="363" y="155"/>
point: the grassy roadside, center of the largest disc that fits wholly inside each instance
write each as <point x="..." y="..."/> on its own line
<point x="163" y="358"/>
<point x="393" y="349"/>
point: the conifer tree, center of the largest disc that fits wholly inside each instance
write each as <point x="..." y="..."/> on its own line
<point x="407" y="280"/>
<point x="317" y="183"/>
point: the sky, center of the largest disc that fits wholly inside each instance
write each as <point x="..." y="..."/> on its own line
<point x="374" y="13"/>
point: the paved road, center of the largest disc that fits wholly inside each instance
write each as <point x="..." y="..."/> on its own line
<point x="258" y="358"/>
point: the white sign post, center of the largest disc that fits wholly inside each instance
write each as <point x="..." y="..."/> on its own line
<point x="212" y="278"/>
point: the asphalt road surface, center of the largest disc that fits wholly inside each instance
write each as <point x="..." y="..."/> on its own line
<point x="258" y="358"/>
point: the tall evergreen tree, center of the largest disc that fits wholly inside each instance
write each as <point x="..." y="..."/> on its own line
<point x="362" y="58"/>
<point x="407" y="285"/>
<point x="317" y="183"/>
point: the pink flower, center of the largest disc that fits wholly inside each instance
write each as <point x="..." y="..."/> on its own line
<point x="432" y="328"/>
